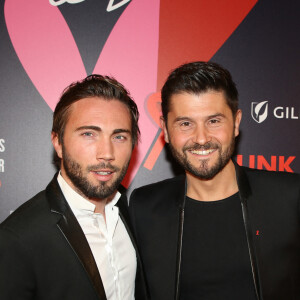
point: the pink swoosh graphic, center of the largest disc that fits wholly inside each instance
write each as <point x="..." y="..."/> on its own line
<point x="131" y="54"/>
<point x="49" y="54"/>
<point x="45" y="46"/>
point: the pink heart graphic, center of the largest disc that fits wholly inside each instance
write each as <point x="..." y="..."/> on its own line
<point x="47" y="50"/>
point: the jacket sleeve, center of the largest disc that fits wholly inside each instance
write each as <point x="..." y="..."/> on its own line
<point x="16" y="274"/>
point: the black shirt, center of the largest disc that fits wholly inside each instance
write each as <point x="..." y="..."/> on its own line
<point x="215" y="257"/>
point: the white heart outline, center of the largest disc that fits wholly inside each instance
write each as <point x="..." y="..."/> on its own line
<point x="111" y="6"/>
<point x="59" y="2"/>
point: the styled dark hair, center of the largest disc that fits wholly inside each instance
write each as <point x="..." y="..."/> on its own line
<point x="104" y="87"/>
<point x="196" y="78"/>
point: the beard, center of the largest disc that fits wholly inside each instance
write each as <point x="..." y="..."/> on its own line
<point x="203" y="171"/>
<point x="82" y="184"/>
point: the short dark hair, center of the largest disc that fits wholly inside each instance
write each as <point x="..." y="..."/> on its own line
<point x="104" y="87"/>
<point x="196" y="78"/>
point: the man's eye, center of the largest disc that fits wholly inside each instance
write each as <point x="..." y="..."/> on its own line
<point x="87" y="134"/>
<point x="214" y="121"/>
<point x="120" y="137"/>
<point x="185" y="124"/>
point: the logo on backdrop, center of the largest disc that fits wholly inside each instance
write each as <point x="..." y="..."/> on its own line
<point x="270" y="163"/>
<point x="259" y="112"/>
<point x="110" y="7"/>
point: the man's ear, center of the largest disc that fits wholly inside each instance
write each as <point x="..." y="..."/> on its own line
<point x="164" y="128"/>
<point x="237" y="122"/>
<point x="56" y="144"/>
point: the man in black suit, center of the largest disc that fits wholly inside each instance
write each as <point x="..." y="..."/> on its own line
<point x="221" y="231"/>
<point x="72" y="240"/>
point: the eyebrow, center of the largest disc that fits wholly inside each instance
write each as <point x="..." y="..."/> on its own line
<point x="217" y="115"/>
<point x="98" y="129"/>
<point x="178" y="119"/>
<point x="122" y="131"/>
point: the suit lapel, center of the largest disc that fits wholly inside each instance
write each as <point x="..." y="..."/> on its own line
<point x="141" y="289"/>
<point x="245" y="193"/>
<point x="124" y="215"/>
<point x="73" y="233"/>
<point x="181" y="205"/>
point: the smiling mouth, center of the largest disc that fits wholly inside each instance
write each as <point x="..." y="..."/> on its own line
<point x="103" y="172"/>
<point x="202" y="152"/>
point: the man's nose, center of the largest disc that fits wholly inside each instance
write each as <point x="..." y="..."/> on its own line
<point x="105" y="150"/>
<point x="201" y="135"/>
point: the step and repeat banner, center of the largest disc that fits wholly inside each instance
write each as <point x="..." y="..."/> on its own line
<point x="47" y="44"/>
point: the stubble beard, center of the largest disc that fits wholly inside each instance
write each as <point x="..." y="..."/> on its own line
<point x="203" y="171"/>
<point x="83" y="186"/>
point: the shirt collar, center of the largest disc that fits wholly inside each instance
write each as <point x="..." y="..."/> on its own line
<point x="79" y="203"/>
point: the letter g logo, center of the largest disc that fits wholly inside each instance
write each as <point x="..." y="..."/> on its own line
<point x="259" y="111"/>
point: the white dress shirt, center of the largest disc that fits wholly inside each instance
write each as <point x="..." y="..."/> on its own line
<point x="109" y="241"/>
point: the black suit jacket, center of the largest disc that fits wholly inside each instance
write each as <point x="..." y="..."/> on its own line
<point x="271" y="207"/>
<point x="44" y="253"/>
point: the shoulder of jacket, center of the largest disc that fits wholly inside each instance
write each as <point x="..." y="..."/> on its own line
<point x="27" y="214"/>
<point x="271" y="174"/>
<point x="272" y="179"/>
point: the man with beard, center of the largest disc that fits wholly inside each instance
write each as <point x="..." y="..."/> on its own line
<point x="221" y="231"/>
<point x="73" y="241"/>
